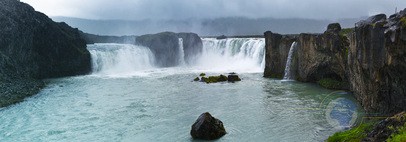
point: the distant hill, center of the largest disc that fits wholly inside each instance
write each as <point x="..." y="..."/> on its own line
<point x="232" y="26"/>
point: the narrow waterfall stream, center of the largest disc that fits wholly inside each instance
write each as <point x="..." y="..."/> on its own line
<point x="288" y="73"/>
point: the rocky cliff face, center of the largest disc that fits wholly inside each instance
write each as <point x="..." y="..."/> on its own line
<point x="32" y="47"/>
<point x="370" y="60"/>
<point x="192" y="46"/>
<point x="321" y="56"/>
<point x="377" y="63"/>
<point x="276" y="53"/>
<point x="165" y="47"/>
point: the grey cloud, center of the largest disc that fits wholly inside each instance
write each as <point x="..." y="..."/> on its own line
<point x="204" y="9"/>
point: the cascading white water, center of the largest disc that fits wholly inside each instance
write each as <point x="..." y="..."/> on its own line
<point x="233" y="54"/>
<point x="288" y="75"/>
<point x="120" y="58"/>
<point x="181" y="53"/>
<point x="227" y="55"/>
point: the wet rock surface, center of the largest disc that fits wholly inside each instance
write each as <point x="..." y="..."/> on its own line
<point x="207" y="127"/>
<point x="369" y="60"/>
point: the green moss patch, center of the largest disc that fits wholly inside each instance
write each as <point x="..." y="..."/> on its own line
<point x="354" y="135"/>
<point x="331" y="83"/>
<point x="403" y="20"/>
<point x="214" y="79"/>
<point x="346" y="31"/>
<point x="196" y="79"/>
<point x="399" y="132"/>
<point x="392" y="129"/>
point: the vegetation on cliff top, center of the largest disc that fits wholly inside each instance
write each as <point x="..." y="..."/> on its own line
<point x="345" y="32"/>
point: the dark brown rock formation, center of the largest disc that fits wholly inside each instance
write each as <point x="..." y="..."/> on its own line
<point x="207" y="127"/>
<point x="371" y="61"/>
<point x="33" y="47"/>
<point x="165" y="47"/>
<point x="321" y="56"/>
<point x="192" y="47"/>
<point x="377" y="63"/>
<point x="276" y="53"/>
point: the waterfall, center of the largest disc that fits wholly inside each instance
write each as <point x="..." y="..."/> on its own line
<point x="288" y="74"/>
<point x="227" y="55"/>
<point x="233" y="54"/>
<point x="120" y="58"/>
<point x="181" y="58"/>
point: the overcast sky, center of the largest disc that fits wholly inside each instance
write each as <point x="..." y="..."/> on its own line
<point x="203" y="9"/>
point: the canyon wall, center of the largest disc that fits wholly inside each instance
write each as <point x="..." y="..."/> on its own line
<point x="276" y="53"/>
<point x="33" y="47"/>
<point x="165" y="47"/>
<point x="369" y="60"/>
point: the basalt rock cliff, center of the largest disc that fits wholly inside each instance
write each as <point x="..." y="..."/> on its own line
<point x="276" y="53"/>
<point x="370" y="60"/>
<point x="33" y="47"/>
<point x="377" y="63"/>
<point x="165" y="47"/>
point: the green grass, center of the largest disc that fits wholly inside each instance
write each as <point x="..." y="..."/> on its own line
<point x="354" y="135"/>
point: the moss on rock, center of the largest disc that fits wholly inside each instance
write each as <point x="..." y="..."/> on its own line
<point x="392" y="129"/>
<point x="331" y="83"/>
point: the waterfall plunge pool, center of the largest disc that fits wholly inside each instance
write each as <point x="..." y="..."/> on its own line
<point x="144" y="103"/>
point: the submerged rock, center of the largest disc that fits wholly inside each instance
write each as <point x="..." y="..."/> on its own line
<point x="207" y="127"/>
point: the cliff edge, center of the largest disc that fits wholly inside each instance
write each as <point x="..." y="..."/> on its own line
<point x="369" y="60"/>
<point x="33" y="47"/>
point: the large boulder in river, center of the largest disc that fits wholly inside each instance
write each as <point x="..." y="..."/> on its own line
<point x="207" y="127"/>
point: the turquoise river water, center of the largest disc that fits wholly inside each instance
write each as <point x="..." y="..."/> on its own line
<point x="161" y="104"/>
